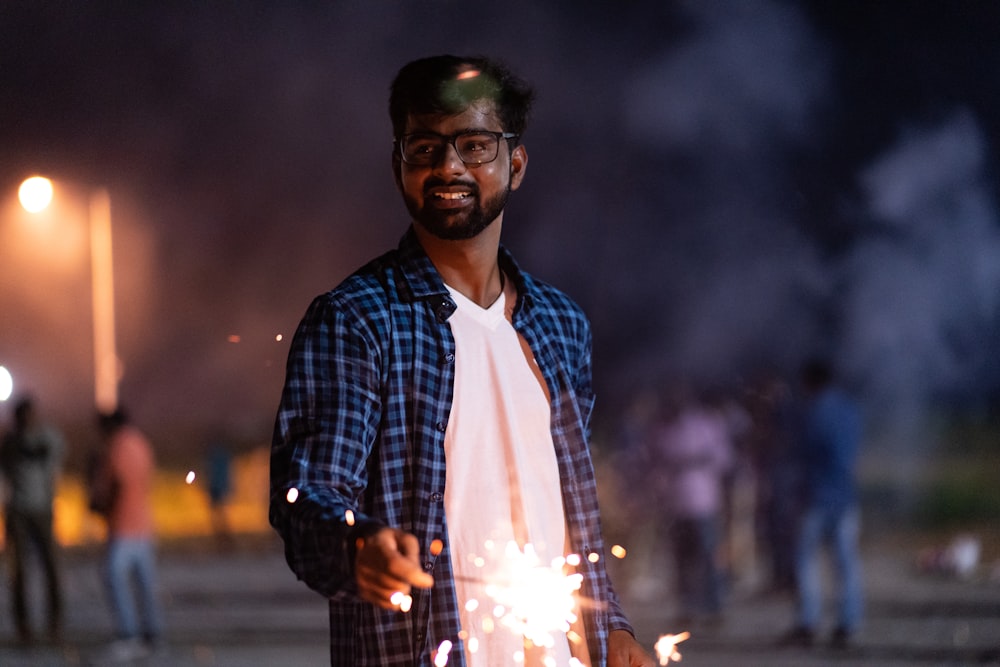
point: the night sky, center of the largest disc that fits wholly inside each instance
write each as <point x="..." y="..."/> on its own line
<point x="724" y="186"/>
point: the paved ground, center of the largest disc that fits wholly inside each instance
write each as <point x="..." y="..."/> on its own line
<point x="912" y="619"/>
<point x="244" y="609"/>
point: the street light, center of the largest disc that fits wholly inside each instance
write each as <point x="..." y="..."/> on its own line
<point x="35" y="194"/>
<point x="6" y="384"/>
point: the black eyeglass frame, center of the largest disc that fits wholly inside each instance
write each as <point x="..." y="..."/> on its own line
<point x="450" y="139"/>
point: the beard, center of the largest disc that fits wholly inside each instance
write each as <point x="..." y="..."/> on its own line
<point x="458" y="225"/>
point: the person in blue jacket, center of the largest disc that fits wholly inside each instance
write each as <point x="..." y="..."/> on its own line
<point x="828" y="449"/>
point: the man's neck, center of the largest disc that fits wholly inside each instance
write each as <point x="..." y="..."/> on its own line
<point x="468" y="266"/>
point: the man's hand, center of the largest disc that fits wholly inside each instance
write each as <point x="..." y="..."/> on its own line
<point x="625" y="651"/>
<point x="388" y="563"/>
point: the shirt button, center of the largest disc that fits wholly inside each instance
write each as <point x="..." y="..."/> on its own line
<point x="442" y="426"/>
<point x="436" y="497"/>
<point x="428" y="566"/>
<point x="449" y="358"/>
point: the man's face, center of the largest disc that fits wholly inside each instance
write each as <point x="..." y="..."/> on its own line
<point x="450" y="199"/>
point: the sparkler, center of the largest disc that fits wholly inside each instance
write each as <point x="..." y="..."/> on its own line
<point x="535" y="601"/>
<point x="529" y="599"/>
<point x="666" y="647"/>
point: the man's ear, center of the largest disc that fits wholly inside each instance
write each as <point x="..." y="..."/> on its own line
<point x="518" y="165"/>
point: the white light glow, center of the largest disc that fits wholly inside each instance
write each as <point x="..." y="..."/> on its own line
<point x="6" y="384"/>
<point x="35" y="194"/>
<point x="441" y="655"/>
<point x="666" y="647"/>
<point x="533" y="600"/>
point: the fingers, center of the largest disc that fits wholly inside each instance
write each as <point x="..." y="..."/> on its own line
<point x="413" y="571"/>
<point x="625" y="651"/>
<point x="387" y="566"/>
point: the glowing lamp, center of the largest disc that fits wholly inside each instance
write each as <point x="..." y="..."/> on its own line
<point x="35" y="194"/>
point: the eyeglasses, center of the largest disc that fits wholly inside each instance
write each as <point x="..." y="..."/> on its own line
<point x="475" y="147"/>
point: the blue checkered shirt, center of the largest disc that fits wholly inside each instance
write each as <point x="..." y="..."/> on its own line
<point x="361" y="427"/>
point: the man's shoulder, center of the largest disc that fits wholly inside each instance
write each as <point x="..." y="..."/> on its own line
<point x="551" y="299"/>
<point x="369" y="279"/>
<point x="373" y="291"/>
<point x="367" y="284"/>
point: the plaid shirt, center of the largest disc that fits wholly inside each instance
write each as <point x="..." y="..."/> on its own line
<point x="361" y="427"/>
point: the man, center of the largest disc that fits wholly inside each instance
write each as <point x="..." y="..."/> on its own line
<point x="30" y="459"/>
<point x="125" y="479"/>
<point x="443" y="350"/>
<point x="831" y="434"/>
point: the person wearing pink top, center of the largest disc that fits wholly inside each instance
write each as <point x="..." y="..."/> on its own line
<point x="123" y="484"/>
<point x="694" y="451"/>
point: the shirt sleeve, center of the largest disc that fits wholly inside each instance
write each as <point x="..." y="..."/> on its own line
<point x="324" y="432"/>
<point x="617" y="620"/>
<point x="616" y="615"/>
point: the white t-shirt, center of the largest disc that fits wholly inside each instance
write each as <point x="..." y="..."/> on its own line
<point x="502" y="475"/>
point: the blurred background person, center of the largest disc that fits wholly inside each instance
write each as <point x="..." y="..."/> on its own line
<point x="738" y="555"/>
<point x="124" y="479"/>
<point x="775" y="426"/>
<point x="219" y="464"/>
<point x="694" y="450"/>
<point x="828" y="452"/>
<point x="31" y="457"/>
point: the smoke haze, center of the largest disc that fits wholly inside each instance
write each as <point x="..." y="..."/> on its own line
<point x="721" y="187"/>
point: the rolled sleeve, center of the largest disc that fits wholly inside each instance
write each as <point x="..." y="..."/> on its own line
<point x="326" y="425"/>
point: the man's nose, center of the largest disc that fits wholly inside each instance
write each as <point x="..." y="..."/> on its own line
<point x="448" y="159"/>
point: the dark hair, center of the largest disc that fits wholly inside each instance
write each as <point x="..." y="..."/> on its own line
<point x="450" y="84"/>
<point x="23" y="410"/>
<point x="109" y="422"/>
<point x="816" y="373"/>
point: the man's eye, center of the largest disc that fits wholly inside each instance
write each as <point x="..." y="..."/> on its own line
<point x="474" y="144"/>
<point x="422" y="147"/>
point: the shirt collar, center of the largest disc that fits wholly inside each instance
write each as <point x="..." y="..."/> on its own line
<point x="424" y="282"/>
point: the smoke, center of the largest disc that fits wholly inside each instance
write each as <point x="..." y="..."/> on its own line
<point x="709" y="263"/>
<point x="922" y="285"/>
<point x="248" y="159"/>
<point x="743" y="82"/>
<point x="700" y="267"/>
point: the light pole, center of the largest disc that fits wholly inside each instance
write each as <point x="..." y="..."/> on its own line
<point x="35" y="195"/>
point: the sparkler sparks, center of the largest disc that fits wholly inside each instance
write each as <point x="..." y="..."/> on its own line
<point x="441" y="655"/>
<point x="533" y="606"/>
<point x="436" y="547"/>
<point x="402" y="600"/>
<point x="666" y="647"/>
<point x="533" y="600"/>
